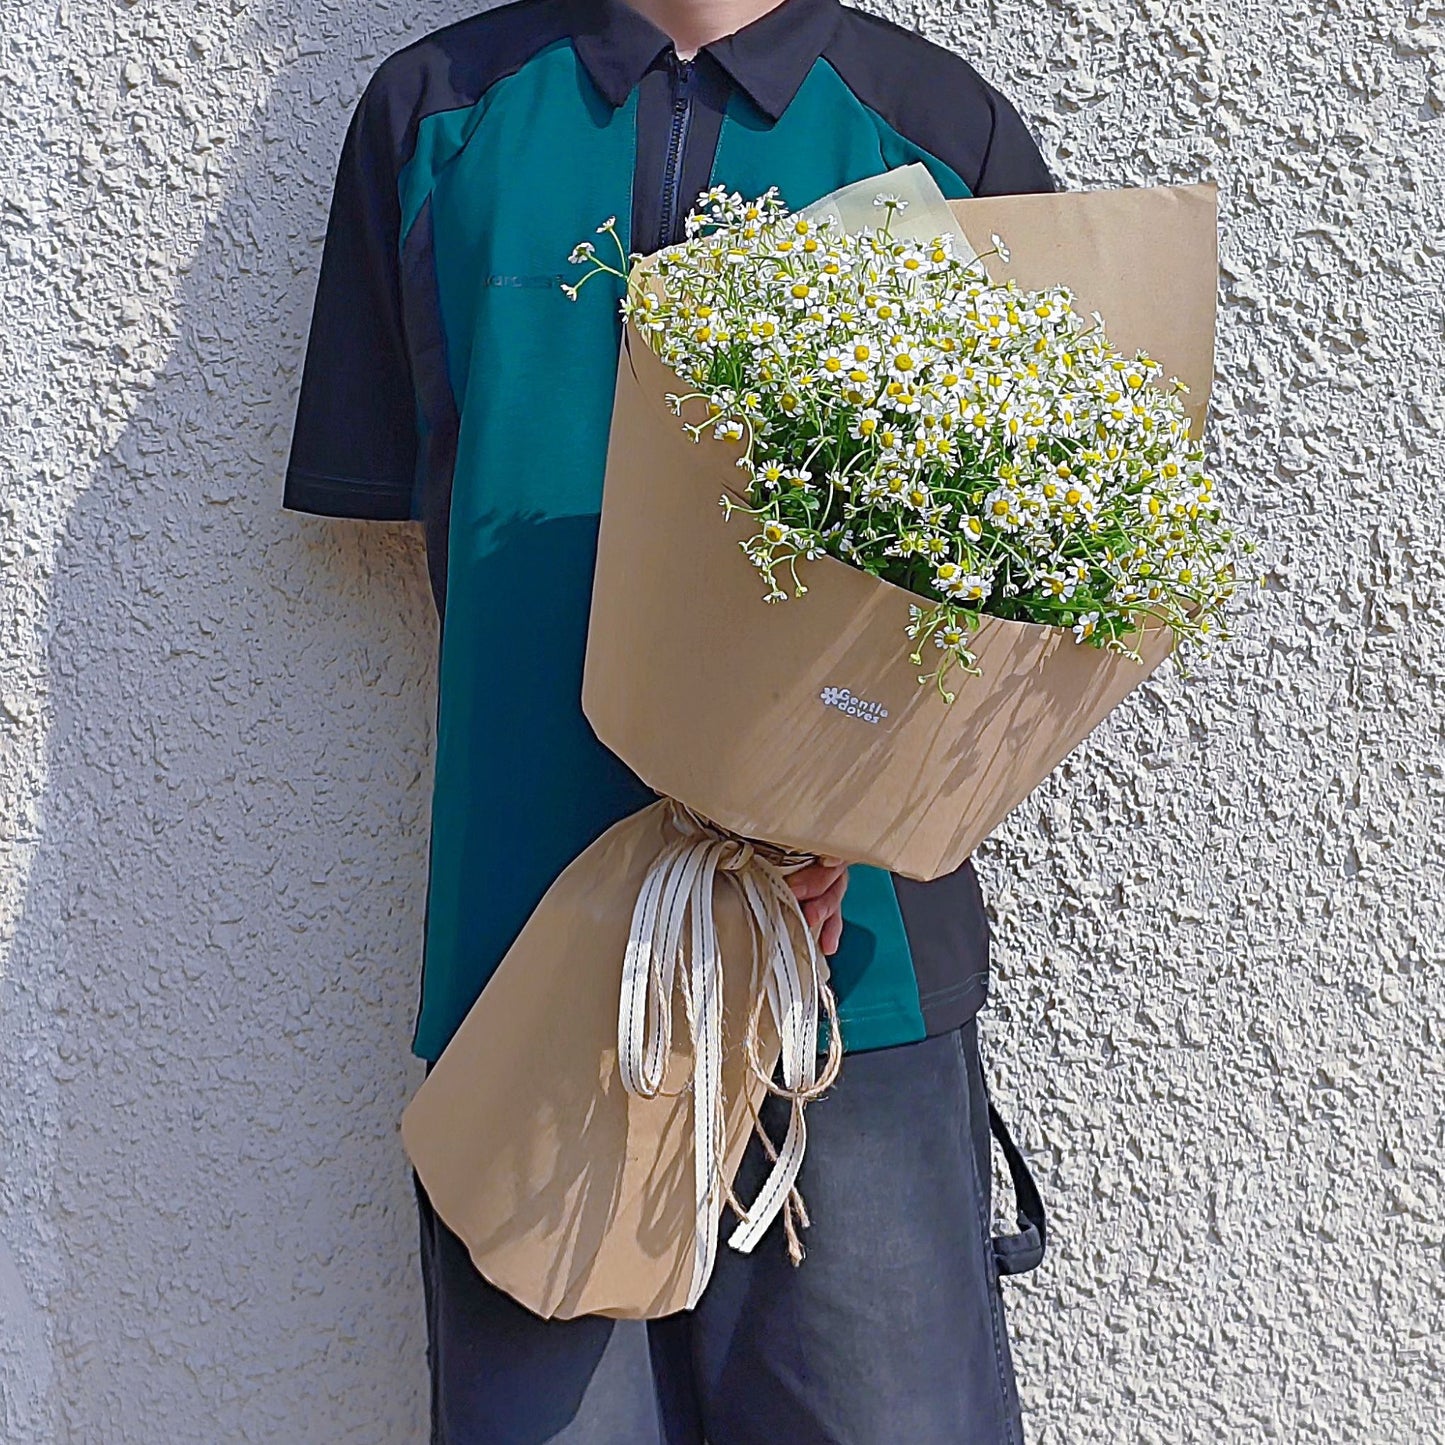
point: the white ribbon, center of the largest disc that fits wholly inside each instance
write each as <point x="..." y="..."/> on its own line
<point x="672" y="947"/>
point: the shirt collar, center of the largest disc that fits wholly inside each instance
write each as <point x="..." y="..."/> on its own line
<point x="767" y="58"/>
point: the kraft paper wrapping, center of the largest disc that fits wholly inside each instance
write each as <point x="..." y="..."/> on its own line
<point x="801" y="723"/>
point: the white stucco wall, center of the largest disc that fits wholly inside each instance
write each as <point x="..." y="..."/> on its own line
<point x="1217" y="1015"/>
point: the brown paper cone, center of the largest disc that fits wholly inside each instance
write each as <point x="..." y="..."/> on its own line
<point x="570" y="1194"/>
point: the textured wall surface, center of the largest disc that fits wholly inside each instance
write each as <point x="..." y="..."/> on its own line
<point x="1217" y="1019"/>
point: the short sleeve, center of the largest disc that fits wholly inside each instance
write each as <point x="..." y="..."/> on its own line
<point x="354" y="443"/>
<point x="1012" y="164"/>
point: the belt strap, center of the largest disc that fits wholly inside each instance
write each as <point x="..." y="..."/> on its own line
<point x="1016" y="1253"/>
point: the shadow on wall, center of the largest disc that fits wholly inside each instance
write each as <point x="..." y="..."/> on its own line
<point x="225" y="903"/>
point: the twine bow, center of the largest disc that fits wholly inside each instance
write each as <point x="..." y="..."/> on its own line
<point x="672" y="948"/>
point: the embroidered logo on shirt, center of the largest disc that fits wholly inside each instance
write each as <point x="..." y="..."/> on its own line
<point x="551" y="281"/>
<point x="844" y="701"/>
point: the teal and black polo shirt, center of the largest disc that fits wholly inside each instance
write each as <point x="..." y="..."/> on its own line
<point x="449" y="381"/>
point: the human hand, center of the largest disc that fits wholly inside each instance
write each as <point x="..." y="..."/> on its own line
<point x="819" y="888"/>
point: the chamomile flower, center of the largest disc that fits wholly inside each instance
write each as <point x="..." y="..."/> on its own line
<point x="976" y="418"/>
<point x="764" y="328"/>
<point x="800" y="293"/>
<point x="1057" y="585"/>
<point x="865" y="423"/>
<point x="1001" y="510"/>
<point x="769" y="474"/>
<point x="904" y="359"/>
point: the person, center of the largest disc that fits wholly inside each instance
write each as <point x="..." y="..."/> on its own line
<point x="448" y="381"/>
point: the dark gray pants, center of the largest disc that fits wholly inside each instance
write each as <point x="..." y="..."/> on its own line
<point x="892" y="1330"/>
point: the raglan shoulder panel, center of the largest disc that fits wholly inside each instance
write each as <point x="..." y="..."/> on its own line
<point x="936" y="99"/>
<point x="453" y="67"/>
<point x="354" y="445"/>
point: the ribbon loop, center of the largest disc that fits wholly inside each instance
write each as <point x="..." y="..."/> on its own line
<point x="673" y="952"/>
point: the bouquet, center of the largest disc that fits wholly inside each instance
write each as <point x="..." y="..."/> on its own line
<point x="944" y="450"/>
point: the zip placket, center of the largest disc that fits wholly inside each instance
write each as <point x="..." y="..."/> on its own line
<point x="682" y="73"/>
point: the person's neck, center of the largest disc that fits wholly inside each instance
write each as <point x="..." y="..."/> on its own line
<point x="695" y="23"/>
